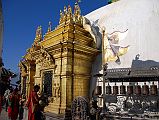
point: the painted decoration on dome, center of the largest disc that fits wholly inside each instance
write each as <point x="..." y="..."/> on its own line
<point x="112" y="49"/>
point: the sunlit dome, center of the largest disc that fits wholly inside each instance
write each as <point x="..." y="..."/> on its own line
<point x="141" y="18"/>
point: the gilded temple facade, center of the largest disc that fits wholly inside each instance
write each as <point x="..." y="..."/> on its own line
<point x="60" y="62"/>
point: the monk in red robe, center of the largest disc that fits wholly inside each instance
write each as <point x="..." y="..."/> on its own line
<point x="13" y="109"/>
<point x="33" y="103"/>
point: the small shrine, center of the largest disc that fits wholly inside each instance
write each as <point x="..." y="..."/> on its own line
<point x="60" y="62"/>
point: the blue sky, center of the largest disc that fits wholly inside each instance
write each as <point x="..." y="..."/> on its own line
<point x="22" y="17"/>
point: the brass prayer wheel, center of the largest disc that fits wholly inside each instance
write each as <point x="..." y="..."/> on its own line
<point x="137" y="89"/>
<point x="122" y="89"/>
<point x="153" y="89"/>
<point x="115" y="90"/>
<point x="98" y="90"/>
<point x="129" y="90"/>
<point x="108" y="89"/>
<point x="145" y="89"/>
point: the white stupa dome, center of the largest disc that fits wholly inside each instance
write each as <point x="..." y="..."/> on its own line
<point x="141" y="18"/>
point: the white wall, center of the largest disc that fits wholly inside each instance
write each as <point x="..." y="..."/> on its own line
<point x="141" y="18"/>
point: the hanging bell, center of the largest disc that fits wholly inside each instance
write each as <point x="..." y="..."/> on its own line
<point x="108" y="90"/>
<point x="137" y="89"/>
<point x="153" y="89"/>
<point x="115" y="90"/>
<point x="122" y="89"/>
<point x="98" y="90"/>
<point x="129" y="89"/>
<point x="145" y="89"/>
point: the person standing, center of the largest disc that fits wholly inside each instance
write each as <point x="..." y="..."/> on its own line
<point x="6" y="96"/>
<point x="21" y="109"/>
<point x="33" y="104"/>
<point x="13" y="104"/>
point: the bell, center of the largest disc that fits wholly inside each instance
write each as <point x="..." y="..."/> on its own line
<point x="145" y="89"/>
<point x="108" y="89"/>
<point x="153" y="89"/>
<point x="129" y="90"/>
<point x="115" y="89"/>
<point x="137" y="89"/>
<point x="122" y="89"/>
<point x="98" y="90"/>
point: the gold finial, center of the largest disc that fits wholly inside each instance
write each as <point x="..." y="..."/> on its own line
<point x="61" y="13"/>
<point x="69" y="10"/>
<point x="39" y="31"/>
<point x="69" y="14"/>
<point x="77" y="13"/>
<point x="77" y="10"/>
<point x="49" y="27"/>
<point x="38" y="36"/>
<point x="61" y="16"/>
<point x="65" y="10"/>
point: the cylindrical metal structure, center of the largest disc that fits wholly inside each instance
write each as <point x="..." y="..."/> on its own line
<point x="122" y="89"/>
<point x="137" y="90"/>
<point x="98" y="90"/>
<point x="115" y="90"/>
<point x="145" y="89"/>
<point x="108" y="89"/>
<point x="153" y="89"/>
<point x="129" y="90"/>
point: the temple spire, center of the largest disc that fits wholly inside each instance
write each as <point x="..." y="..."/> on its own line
<point x="49" y="27"/>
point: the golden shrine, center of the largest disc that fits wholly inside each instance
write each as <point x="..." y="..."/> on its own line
<point x="60" y="62"/>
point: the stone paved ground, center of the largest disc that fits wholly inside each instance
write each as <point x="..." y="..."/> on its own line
<point x="4" y="115"/>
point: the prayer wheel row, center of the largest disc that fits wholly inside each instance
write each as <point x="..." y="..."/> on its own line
<point x="137" y="90"/>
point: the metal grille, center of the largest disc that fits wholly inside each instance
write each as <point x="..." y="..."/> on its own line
<point x="47" y="83"/>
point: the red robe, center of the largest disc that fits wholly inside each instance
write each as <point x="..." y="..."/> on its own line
<point x="13" y="109"/>
<point x="33" y="101"/>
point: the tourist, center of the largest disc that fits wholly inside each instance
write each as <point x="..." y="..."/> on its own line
<point x="6" y="96"/>
<point x="21" y="109"/>
<point x="33" y="104"/>
<point x="13" y="104"/>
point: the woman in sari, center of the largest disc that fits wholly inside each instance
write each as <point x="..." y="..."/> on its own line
<point x="33" y="104"/>
<point x="13" y="103"/>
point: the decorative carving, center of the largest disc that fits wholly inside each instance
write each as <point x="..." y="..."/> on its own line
<point x="23" y="68"/>
<point x="77" y="13"/>
<point x="54" y="90"/>
<point x="80" y="109"/>
<point x="61" y="16"/>
<point x="65" y="10"/>
<point x="45" y="59"/>
<point x="39" y="31"/>
<point x="67" y="15"/>
<point x="58" y="90"/>
<point x="77" y="10"/>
